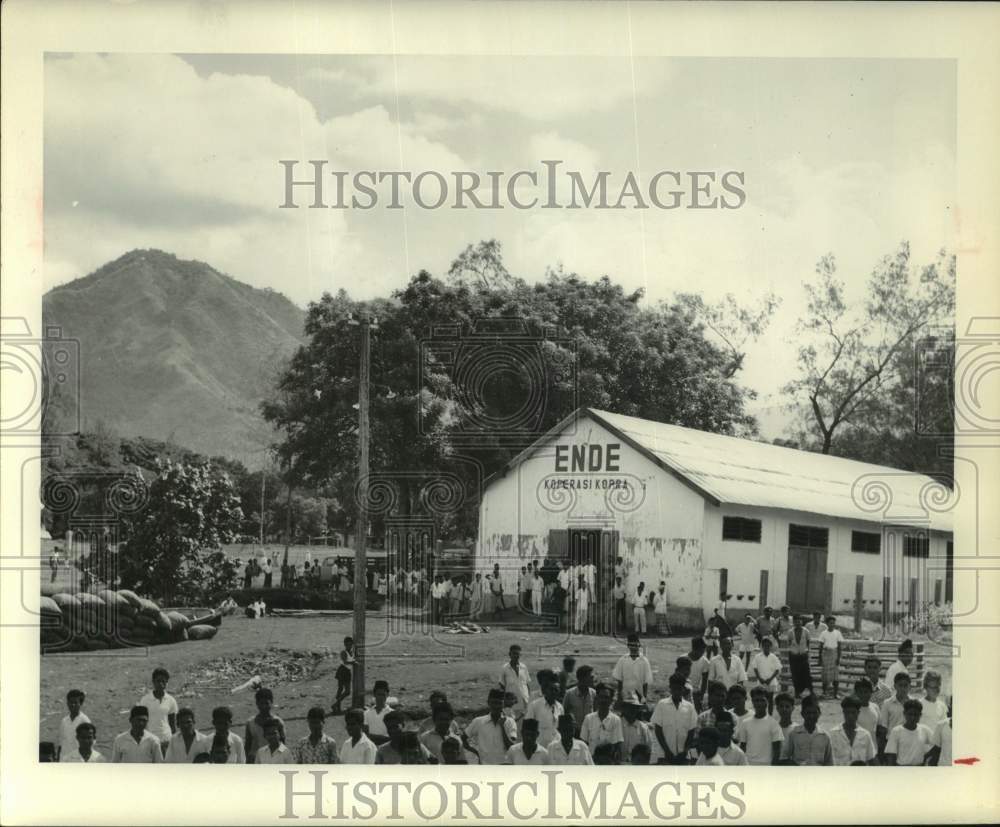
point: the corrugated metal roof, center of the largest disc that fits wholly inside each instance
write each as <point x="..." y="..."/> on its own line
<point x="743" y="472"/>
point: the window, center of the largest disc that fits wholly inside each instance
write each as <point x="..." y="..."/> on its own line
<point x="807" y="536"/>
<point x="916" y="545"/>
<point x="741" y="529"/>
<point x="866" y="542"/>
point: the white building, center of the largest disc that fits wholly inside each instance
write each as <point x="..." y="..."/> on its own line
<point x="715" y="516"/>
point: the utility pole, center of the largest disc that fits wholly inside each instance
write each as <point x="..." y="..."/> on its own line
<point x="263" y="476"/>
<point x="361" y="533"/>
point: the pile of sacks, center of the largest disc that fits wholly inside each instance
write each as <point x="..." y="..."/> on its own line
<point x="107" y="619"/>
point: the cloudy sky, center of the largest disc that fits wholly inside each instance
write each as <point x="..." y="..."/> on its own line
<point x="181" y="153"/>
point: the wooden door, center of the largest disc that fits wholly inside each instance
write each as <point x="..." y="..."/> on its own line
<point x="805" y="590"/>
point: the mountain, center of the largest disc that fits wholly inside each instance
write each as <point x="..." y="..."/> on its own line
<point x="177" y="351"/>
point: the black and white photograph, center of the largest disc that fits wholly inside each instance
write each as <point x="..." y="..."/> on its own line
<point x="556" y="407"/>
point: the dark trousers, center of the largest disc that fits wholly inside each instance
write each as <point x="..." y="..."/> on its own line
<point x="798" y="665"/>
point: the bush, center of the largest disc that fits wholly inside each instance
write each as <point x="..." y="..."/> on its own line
<point x="304" y="599"/>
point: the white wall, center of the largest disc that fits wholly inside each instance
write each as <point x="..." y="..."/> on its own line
<point x="745" y="561"/>
<point x="659" y="540"/>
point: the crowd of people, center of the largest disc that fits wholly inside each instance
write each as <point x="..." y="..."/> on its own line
<point x="703" y="718"/>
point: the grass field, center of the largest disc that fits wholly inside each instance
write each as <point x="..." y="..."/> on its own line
<point x="298" y="657"/>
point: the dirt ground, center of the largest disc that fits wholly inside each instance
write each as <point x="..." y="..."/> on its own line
<point x="298" y="657"/>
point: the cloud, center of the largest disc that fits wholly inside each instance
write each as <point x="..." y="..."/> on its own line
<point x="536" y="87"/>
<point x="142" y="152"/>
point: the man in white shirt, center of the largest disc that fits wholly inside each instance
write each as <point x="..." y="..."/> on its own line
<point x="84" y="752"/>
<point x="70" y="721"/>
<point x="222" y="720"/>
<point x="831" y="644"/>
<point x="537" y="592"/>
<point x="602" y="726"/>
<point x="902" y="664"/>
<point x="490" y="736"/>
<point x="567" y="750"/>
<point x="674" y="722"/>
<point x="527" y="751"/>
<point x="357" y="747"/>
<point x="137" y="746"/>
<point x="639" y="601"/>
<point x="851" y="744"/>
<point x="726" y="667"/>
<point x="633" y="672"/>
<point x="375" y="715"/>
<point x="273" y="752"/>
<point x="514" y="678"/>
<point x="546" y="709"/>
<point x="187" y="743"/>
<point x="162" y="708"/>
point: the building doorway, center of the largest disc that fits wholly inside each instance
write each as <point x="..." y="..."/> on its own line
<point x="597" y="547"/>
<point x="805" y="589"/>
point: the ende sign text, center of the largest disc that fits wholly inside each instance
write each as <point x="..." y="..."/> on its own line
<point x="571" y="458"/>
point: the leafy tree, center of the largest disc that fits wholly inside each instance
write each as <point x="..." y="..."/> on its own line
<point x="558" y="344"/>
<point x="732" y="322"/>
<point x="850" y="356"/>
<point x="173" y="545"/>
<point x="481" y="266"/>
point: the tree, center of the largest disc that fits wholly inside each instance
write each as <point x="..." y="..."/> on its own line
<point x="848" y="355"/>
<point x="173" y="546"/>
<point x="447" y="407"/>
<point x="733" y="323"/>
<point x="481" y="266"/>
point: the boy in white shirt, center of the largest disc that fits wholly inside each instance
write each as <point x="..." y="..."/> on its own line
<point x="934" y="709"/>
<point x="187" y="743"/>
<point x="909" y="742"/>
<point x="162" y="708"/>
<point x="86" y="734"/>
<point x="567" y="750"/>
<point x="357" y="747"/>
<point x="765" y="668"/>
<point x="273" y="752"/>
<point x="69" y="723"/>
<point x="851" y="744"/>
<point x="136" y="745"/>
<point x="708" y="748"/>
<point x="902" y="664"/>
<point x="375" y="715"/>
<point x="729" y="751"/>
<point x="760" y="735"/>
<point x="527" y="750"/>
<point x="546" y="709"/>
<point x="941" y="754"/>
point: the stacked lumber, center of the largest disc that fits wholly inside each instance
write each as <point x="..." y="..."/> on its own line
<point x="852" y="661"/>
